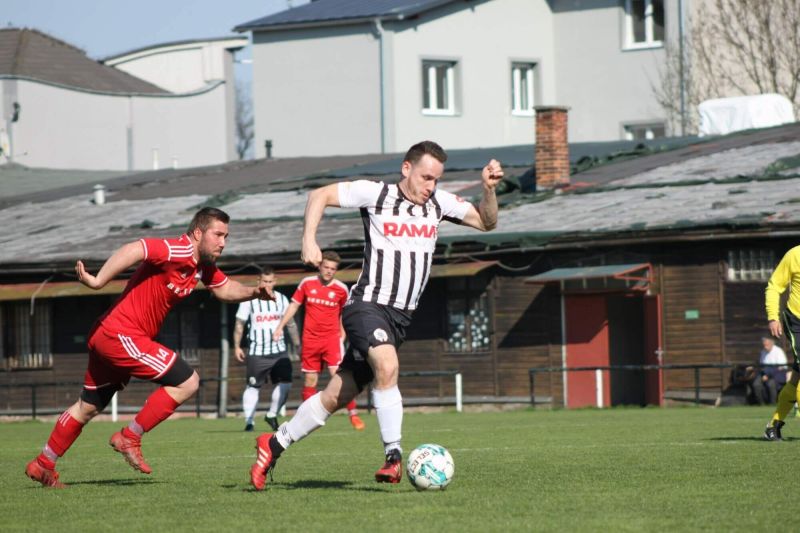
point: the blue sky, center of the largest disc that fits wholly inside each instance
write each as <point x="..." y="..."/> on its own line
<point x="103" y="28"/>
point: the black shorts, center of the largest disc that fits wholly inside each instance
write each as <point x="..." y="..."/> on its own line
<point x="791" y="328"/>
<point x="368" y="325"/>
<point x="278" y="367"/>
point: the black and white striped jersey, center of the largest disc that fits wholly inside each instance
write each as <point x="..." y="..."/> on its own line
<point x="264" y="317"/>
<point x="400" y="238"/>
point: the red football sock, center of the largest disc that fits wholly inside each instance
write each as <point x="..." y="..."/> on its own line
<point x="64" y="434"/>
<point x="308" y="392"/>
<point x="156" y="409"/>
<point x="351" y="407"/>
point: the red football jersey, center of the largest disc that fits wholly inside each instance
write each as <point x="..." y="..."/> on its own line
<point x="168" y="274"/>
<point x="324" y="305"/>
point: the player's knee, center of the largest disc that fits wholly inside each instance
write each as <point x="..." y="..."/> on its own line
<point x="310" y="379"/>
<point x="192" y="384"/>
<point x="92" y="402"/>
<point x="386" y="374"/>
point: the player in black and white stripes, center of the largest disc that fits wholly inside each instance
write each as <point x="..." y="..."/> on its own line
<point x="266" y="356"/>
<point x="401" y="223"/>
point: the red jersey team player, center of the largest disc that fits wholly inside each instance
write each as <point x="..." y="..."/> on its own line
<point x="121" y="342"/>
<point x="323" y="334"/>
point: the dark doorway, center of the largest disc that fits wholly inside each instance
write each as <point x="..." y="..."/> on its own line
<point x="626" y="340"/>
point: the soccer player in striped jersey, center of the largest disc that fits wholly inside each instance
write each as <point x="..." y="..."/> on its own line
<point x="401" y="223"/>
<point x="267" y="356"/>
<point x="121" y="342"/>
<point x="786" y="275"/>
<point x="324" y="297"/>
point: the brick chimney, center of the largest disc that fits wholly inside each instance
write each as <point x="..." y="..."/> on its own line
<point x="552" y="151"/>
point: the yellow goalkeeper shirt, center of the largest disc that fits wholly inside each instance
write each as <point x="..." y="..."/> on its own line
<point x="787" y="272"/>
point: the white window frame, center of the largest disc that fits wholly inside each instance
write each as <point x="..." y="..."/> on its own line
<point x="648" y="127"/>
<point x="751" y="265"/>
<point x="649" y="40"/>
<point x="450" y="79"/>
<point x="516" y="88"/>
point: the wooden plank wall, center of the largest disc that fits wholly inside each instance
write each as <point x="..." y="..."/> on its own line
<point x="527" y="334"/>
<point x="692" y="287"/>
<point x="745" y="320"/>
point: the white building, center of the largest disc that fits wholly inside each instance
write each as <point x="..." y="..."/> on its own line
<point x="335" y="77"/>
<point x="61" y="109"/>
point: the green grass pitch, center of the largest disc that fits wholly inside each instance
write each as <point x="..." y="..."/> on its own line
<point x="609" y="470"/>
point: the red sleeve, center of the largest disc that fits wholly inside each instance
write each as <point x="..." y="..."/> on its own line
<point x="299" y="296"/>
<point x="156" y="251"/>
<point x="214" y="278"/>
<point x="343" y="297"/>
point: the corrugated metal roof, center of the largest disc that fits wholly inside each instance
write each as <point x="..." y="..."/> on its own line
<point x="28" y="53"/>
<point x="328" y="11"/>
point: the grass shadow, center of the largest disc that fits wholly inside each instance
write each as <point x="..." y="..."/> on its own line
<point x="758" y="438"/>
<point x="116" y="482"/>
<point x="312" y="484"/>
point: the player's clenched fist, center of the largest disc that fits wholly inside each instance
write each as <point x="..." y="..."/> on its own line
<point x="492" y="174"/>
<point x="311" y="254"/>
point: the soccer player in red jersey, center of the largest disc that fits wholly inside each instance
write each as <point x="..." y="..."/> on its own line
<point x="121" y="342"/>
<point x="323" y="335"/>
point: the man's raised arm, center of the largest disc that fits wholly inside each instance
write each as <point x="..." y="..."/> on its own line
<point x="318" y="200"/>
<point x="484" y="218"/>
<point x="119" y="262"/>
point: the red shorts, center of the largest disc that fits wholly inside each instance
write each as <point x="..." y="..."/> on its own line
<point x="316" y="351"/>
<point x="115" y="357"/>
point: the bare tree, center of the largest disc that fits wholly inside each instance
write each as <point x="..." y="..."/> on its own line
<point x="244" y="122"/>
<point x="735" y="47"/>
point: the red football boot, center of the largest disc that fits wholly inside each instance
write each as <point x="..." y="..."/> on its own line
<point x="131" y="449"/>
<point x="264" y="462"/>
<point x="48" y="477"/>
<point x="358" y="424"/>
<point x="392" y="470"/>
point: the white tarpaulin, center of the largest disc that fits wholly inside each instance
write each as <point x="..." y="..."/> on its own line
<point x="726" y="115"/>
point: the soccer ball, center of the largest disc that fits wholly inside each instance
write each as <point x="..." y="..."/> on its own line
<point x="430" y="467"/>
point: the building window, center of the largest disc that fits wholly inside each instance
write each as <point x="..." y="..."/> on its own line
<point x="638" y="132"/>
<point x="522" y="89"/>
<point x="468" y="316"/>
<point x="27" y="338"/>
<point x="438" y="87"/>
<point x="644" y="22"/>
<point x="750" y="265"/>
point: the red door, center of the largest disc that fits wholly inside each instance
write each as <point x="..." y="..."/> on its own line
<point x="586" y="318"/>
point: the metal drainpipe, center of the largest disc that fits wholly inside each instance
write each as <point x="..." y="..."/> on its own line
<point x="682" y="63"/>
<point x="379" y="30"/>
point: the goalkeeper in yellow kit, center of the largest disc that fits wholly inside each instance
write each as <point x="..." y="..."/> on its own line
<point x="786" y="273"/>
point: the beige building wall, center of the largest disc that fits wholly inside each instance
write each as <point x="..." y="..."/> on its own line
<point x="67" y="128"/>
<point x="317" y="91"/>
<point x="484" y="41"/>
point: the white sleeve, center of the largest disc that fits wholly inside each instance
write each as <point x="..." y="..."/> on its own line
<point x="359" y="193"/>
<point x="454" y="208"/>
<point x="243" y="313"/>
<point x="284" y="302"/>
